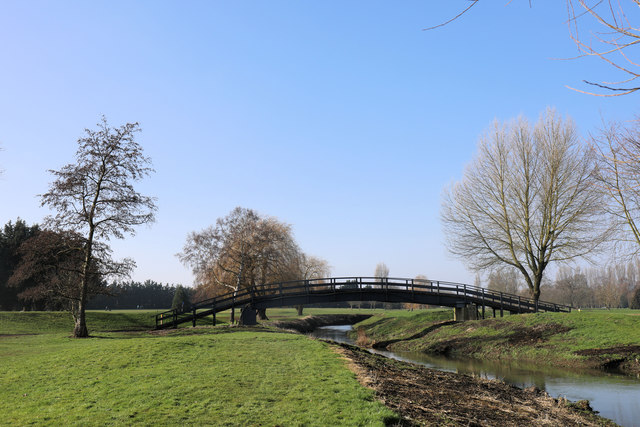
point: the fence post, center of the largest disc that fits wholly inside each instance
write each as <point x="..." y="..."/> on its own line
<point x="193" y="319"/>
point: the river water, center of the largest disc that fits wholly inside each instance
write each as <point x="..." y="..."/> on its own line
<point x="614" y="396"/>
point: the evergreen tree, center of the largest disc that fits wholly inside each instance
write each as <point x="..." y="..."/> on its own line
<point x="11" y="237"/>
<point x="181" y="300"/>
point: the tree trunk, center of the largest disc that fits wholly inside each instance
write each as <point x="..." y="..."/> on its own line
<point x="262" y="314"/>
<point x="299" y="308"/>
<point x="536" y="291"/>
<point x="80" y="328"/>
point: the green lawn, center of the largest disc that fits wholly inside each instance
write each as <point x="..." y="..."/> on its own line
<point x="203" y="376"/>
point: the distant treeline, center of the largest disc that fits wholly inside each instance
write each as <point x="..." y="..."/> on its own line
<point x="19" y="295"/>
<point x="131" y="295"/>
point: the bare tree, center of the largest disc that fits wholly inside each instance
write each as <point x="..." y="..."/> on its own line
<point x="421" y="279"/>
<point x="381" y="272"/>
<point x="526" y="200"/>
<point x="618" y="147"/>
<point x="242" y="251"/>
<point x="609" y="35"/>
<point x="571" y="286"/>
<point x="95" y="197"/>
<point x="505" y="279"/>
<point x="311" y="267"/>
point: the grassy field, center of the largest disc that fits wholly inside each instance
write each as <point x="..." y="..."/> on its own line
<point x="585" y="337"/>
<point x="202" y="376"/>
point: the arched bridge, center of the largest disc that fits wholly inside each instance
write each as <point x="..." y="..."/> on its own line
<point x="342" y="289"/>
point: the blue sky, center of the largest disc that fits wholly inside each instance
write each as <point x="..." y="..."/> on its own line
<point x="344" y="119"/>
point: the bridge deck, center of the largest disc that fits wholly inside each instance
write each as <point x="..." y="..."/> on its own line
<point x="340" y="289"/>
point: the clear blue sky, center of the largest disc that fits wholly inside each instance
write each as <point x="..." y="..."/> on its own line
<point x="343" y="119"/>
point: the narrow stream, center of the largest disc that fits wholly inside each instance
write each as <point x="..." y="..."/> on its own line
<point x="615" y="396"/>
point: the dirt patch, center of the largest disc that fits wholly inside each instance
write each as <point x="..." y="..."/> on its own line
<point x="623" y="358"/>
<point x="535" y="334"/>
<point x="625" y="350"/>
<point x="428" y="397"/>
<point x="519" y="336"/>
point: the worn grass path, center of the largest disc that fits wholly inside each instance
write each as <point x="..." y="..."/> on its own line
<point x="203" y="376"/>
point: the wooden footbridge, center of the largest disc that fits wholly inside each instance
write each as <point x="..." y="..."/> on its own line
<point x="342" y="289"/>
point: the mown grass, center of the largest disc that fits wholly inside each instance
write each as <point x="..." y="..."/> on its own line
<point x="202" y="376"/>
<point x="546" y="338"/>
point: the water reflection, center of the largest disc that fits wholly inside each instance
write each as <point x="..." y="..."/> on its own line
<point x="616" y="397"/>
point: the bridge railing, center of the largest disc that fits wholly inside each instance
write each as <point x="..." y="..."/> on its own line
<point x="359" y="284"/>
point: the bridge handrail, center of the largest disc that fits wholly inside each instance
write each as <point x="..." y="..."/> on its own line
<point x="363" y="283"/>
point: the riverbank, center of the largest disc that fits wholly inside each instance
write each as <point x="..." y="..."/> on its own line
<point x="425" y="396"/>
<point x="309" y="323"/>
<point x="588" y="339"/>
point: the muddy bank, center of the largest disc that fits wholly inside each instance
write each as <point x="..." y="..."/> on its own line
<point x="424" y="396"/>
<point x="309" y="323"/>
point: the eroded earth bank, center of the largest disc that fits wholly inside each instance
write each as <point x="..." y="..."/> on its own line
<point x="425" y="396"/>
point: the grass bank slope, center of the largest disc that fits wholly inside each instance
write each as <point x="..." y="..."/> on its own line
<point x="596" y="338"/>
<point x="203" y="376"/>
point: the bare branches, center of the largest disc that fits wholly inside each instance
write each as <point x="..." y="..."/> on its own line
<point x="95" y="196"/>
<point x="381" y="272"/>
<point x="618" y="147"/>
<point x="525" y="201"/>
<point x="611" y="43"/>
<point x="604" y="29"/>
<point x="96" y="191"/>
<point x="473" y="3"/>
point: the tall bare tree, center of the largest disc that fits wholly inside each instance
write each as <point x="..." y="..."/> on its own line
<point x="242" y="251"/>
<point x="526" y="200"/>
<point x="618" y="147"/>
<point x="94" y="196"/>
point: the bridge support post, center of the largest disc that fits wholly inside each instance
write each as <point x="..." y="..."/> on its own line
<point x="466" y="312"/>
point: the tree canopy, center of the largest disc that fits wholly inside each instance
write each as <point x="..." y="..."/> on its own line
<point x="527" y="199"/>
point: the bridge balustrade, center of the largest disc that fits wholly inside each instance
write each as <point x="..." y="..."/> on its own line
<point x="314" y="290"/>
